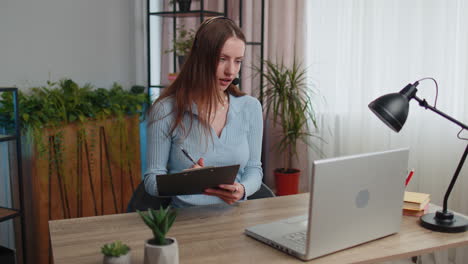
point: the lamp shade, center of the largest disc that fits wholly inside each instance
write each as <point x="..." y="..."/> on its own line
<point x="392" y="109"/>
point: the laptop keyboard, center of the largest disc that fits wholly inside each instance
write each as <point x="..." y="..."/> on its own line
<point x="298" y="237"/>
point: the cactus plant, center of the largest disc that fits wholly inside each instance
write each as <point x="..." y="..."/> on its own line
<point x="159" y="221"/>
<point x="115" y="249"/>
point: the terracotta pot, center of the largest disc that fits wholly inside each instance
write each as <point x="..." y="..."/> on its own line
<point x="167" y="254"/>
<point x="125" y="259"/>
<point x="172" y="76"/>
<point x="287" y="183"/>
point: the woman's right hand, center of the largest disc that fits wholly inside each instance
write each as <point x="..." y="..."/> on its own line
<point x="200" y="164"/>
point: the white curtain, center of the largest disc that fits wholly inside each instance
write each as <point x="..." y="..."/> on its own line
<point x="359" y="50"/>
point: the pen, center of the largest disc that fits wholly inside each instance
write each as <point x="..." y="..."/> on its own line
<point x="410" y="175"/>
<point x="187" y="155"/>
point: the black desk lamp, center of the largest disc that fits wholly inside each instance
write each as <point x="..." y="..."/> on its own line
<point x="392" y="109"/>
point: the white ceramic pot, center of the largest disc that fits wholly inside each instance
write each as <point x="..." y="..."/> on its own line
<point x="167" y="254"/>
<point x="125" y="259"/>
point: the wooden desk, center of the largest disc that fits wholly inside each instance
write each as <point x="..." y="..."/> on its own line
<point x="216" y="234"/>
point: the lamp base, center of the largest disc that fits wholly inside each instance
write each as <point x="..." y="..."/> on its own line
<point x="445" y="222"/>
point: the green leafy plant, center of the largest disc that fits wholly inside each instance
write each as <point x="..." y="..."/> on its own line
<point x="287" y="98"/>
<point x="115" y="249"/>
<point x="159" y="221"/>
<point x="183" y="42"/>
<point x="63" y="102"/>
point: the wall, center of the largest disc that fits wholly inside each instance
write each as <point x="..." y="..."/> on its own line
<point x="87" y="40"/>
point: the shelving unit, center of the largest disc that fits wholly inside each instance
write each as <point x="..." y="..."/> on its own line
<point x="200" y="13"/>
<point x="260" y="43"/>
<point x="192" y="13"/>
<point x="7" y="213"/>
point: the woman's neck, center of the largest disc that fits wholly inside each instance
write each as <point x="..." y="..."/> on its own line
<point x="220" y="100"/>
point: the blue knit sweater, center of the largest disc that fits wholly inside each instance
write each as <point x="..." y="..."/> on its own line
<point x="240" y="143"/>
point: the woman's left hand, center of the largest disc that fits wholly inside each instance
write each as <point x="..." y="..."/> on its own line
<point x="229" y="193"/>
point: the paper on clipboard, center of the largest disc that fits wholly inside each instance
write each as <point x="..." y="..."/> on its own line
<point x="195" y="181"/>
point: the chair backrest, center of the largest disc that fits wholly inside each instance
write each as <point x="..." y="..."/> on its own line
<point x="141" y="200"/>
<point x="263" y="192"/>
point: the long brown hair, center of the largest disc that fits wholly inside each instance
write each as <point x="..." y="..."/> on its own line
<point x="196" y="82"/>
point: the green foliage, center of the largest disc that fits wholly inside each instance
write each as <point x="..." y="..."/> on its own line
<point x="65" y="102"/>
<point x="287" y="98"/>
<point x="183" y="42"/>
<point x="159" y="221"/>
<point x="115" y="249"/>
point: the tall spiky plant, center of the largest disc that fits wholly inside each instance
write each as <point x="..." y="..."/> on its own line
<point x="159" y="221"/>
<point x="287" y="98"/>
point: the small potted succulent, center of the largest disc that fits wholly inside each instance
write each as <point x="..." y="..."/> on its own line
<point x="116" y="253"/>
<point x="160" y="249"/>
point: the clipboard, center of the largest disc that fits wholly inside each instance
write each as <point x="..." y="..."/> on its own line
<point x="195" y="181"/>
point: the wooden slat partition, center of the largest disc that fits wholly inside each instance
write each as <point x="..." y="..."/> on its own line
<point x="86" y="170"/>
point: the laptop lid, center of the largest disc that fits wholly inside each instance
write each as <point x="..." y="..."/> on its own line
<point x="353" y="199"/>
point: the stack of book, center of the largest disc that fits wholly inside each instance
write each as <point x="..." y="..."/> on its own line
<point x="415" y="204"/>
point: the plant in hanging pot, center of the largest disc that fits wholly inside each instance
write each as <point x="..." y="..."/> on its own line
<point x="116" y="253"/>
<point x="160" y="249"/>
<point x="287" y="100"/>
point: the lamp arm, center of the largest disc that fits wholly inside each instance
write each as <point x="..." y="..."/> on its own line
<point x="423" y="103"/>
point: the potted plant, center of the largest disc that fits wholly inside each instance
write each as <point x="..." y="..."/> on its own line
<point x="182" y="43"/>
<point x="160" y="249"/>
<point x="184" y="5"/>
<point x="116" y="253"/>
<point x="287" y="100"/>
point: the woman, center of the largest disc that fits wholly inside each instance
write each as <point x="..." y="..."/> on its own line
<point x="208" y="116"/>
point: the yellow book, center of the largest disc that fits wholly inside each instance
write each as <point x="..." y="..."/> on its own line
<point x="415" y="201"/>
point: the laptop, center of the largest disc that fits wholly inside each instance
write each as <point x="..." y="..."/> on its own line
<point x="353" y="200"/>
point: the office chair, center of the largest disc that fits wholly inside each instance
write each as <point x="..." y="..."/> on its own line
<point x="141" y="200"/>
<point x="263" y="192"/>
